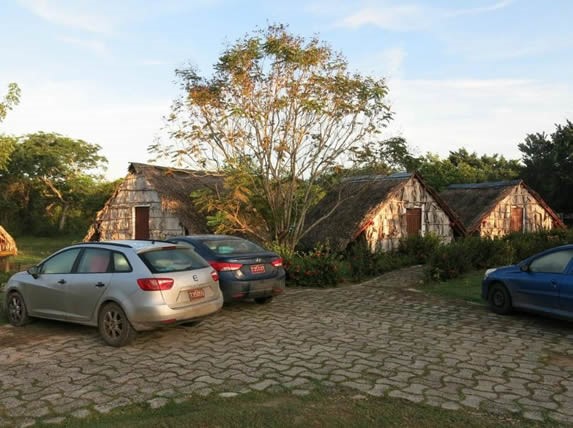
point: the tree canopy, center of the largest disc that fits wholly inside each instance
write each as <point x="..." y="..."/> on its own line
<point x="278" y="112"/>
<point x="548" y="165"/>
<point x="11" y="99"/>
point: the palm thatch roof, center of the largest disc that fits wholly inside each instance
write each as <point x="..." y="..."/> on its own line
<point x="174" y="187"/>
<point x="473" y="202"/>
<point x="343" y="214"/>
<point x="7" y="244"/>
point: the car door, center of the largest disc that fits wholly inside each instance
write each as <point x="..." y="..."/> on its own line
<point x="92" y="277"/>
<point x="539" y="286"/>
<point x="47" y="293"/>
<point x="566" y="291"/>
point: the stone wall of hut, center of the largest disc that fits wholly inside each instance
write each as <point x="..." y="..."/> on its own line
<point x="117" y="219"/>
<point x="388" y="225"/>
<point x="535" y="216"/>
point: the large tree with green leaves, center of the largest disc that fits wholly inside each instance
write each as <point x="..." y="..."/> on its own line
<point x="46" y="179"/>
<point x="9" y="100"/>
<point x="462" y="166"/>
<point x="548" y="165"/>
<point x="278" y="112"/>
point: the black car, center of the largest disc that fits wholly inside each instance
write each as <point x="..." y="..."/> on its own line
<point x="246" y="270"/>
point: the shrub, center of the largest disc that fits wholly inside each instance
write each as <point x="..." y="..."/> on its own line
<point x="527" y="244"/>
<point x="317" y="268"/>
<point x="364" y="264"/>
<point x="420" y="248"/>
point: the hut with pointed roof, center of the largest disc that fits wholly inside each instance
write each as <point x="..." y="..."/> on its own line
<point x="382" y="210"/>
<point x="494" y="209"/>
<point x="153" y="202"/>
<point x="7" y="248"/>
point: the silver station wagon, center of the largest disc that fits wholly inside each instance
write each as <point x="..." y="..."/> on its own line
<point x="119" y="286"/>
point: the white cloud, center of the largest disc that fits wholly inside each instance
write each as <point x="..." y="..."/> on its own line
<point x="95" y="46"/>
<point x="393" y="16"/>
<point x="487" y="116"/>
<point x="73" y="14"/>
<point x="81" y="110"/>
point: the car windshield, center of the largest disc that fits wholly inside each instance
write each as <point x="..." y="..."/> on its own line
<point x="231" y="246"/>
<point x="162" y="260"/>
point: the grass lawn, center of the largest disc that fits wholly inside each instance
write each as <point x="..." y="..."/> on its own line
<point x="326" y="407"/>
<point x="467" y="287"/>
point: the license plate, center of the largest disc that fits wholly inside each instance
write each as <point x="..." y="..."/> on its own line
<point x="196" y="293"/>
<point x="257" y="268"/>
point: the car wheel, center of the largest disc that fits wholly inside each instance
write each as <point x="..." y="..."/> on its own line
<point x="263" y="300"/>
<point x="17" y="311"/>
<point x="499" y="299"/>
<point x="114" y="327"/>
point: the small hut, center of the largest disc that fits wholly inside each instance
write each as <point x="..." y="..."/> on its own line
<point x="495" y="209"/>
<point x="382" y="210"/>
<point x="7" y="248"/>
<point x="153" y="202"/>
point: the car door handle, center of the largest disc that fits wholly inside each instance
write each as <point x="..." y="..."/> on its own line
<point x="62" y="281"/>
<point x="554" y="284"/>
<point x="100" y="284"/>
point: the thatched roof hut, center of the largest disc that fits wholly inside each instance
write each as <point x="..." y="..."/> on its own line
<point x="497" y="208"/>
<point x="384" y="209"/>
<point x="153" y="202"/>
<point x="7" y="244"/>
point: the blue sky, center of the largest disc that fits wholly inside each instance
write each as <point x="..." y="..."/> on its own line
<point x="479" y="74"/>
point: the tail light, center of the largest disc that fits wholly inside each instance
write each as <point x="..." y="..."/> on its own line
<point x="277" y="262"/>
<point x="155" y="284"/>
<point x="215" y="275"/>
<point x="224" y="266"/>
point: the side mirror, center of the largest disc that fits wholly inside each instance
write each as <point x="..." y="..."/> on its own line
<point x="524" y="267"/>
<point x="34" y="271"/>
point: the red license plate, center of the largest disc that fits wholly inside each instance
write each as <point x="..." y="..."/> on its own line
<point x="257" y="268"/>
<point x="196" y="293"/>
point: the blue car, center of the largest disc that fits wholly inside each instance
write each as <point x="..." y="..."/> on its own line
<point x="541" y="283"/>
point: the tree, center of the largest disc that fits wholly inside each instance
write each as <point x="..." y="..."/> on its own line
<point x="279" y="112"/>
<point x="46" y="178"/>
<point x="11" y="99"/>
<point x="548" y="165"/>
<point x="463" y="167"/>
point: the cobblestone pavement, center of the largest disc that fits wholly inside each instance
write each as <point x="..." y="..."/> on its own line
<point x="380" y="338"/>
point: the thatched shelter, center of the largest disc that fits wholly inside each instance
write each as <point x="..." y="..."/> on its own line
<point x="381" y="209"/>
<point x="495" y="209"/>
<point x="153" y="202"/>
<point x="7" y="248"/>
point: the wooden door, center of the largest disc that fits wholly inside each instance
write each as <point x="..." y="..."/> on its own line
<point x="141" y="222"/>
<point x="413" y="221"/>
<point x="516" y="221"/>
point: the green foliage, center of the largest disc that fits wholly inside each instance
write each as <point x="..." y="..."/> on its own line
<point x="548" y="166"/>
<point x="49" y="184"/>
<point x="527" y="244"/>
<point x="283" y="109"/>
<point x="11" y="99"/>
<point x="419" y="248"/>
<point x="464" y="167"/>
<point x="317" y="268"/>
<point x="363" y="264"/>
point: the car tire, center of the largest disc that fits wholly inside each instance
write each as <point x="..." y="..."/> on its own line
<point x="263" y="300"/>
<point x="500" y="299"/>
<point x="16" y="309"/>
<point x="114" y="327"/>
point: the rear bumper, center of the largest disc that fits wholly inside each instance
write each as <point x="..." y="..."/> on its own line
<point x="162" y="315"/>
<point x="234" y="289"/>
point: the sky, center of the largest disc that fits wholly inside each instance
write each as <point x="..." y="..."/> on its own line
<point x="479" y="74"/>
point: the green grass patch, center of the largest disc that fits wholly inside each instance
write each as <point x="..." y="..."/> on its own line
<point x="332" y="408"/>
<point x="465" y="287"/>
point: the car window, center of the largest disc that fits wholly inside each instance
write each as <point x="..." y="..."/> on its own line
<point x="552" y="263"/>
<point x="94" y="260"/>
<point x="172" y="260"/>
<point x="120" y="263"/>
<point x="231" y="246"/>
<point x="61" y="263"/>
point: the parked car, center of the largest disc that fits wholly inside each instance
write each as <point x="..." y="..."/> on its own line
<point x="119" y="286"/>
<point x="541" y="283"/>
<point x="246" y="270"/>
